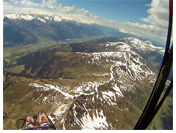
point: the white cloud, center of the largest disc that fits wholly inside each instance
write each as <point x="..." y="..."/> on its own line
<point x="147" y="31"/>
<point x="143" y="30"/>
<point x="69" y="9"/>
<point x="29" y="3"/>
<point x="16" y="2"/>
<point x="9" y="9"/>
<point x="154" y="20"/>
<point x="158" y="13"/>
<point x="51" y="4"/>
<point x="7" y="0"/>
<point x="75" y="12"/>
<point x="87" y="13"/>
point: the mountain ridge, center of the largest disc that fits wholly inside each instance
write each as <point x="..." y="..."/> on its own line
<point x="100" y="84"/>
<point x="55" y="28"/>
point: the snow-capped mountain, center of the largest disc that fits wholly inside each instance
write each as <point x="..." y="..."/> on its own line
<point x="52" y="27"/>
<point x="144" y="46"/>
<point x="30" y="17"/>
<point x="84" y="85"/>
<point x="43" y="17"/>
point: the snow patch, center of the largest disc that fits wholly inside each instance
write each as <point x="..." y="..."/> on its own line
<point x="44" y="99"/>
<point x="60" y="110"/>
<point x="87" y="122"/>
<point x="48" y="87"/>
<point x="56" y="18"/>
<point x="109" y="96"/>
<point x="144" y="45"/>
<point x="52" y="119"/>
<point x="118" y="91"/>
<point x="42" y="20"/>
<point x="88" y="87"/>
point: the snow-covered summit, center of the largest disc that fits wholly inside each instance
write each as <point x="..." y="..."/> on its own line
<point x="143" y="45"/>
<point x="44" y="17"/>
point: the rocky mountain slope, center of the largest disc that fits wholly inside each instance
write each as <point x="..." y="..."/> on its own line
<point x="15" y="35"/>
<point x="82" y="86"/>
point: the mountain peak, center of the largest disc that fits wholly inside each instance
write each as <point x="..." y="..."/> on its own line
<point x="143" y="45"/>
<point x="45" y="17"/>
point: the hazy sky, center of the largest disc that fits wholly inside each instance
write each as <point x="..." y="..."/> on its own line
<point x="146" y="18"/>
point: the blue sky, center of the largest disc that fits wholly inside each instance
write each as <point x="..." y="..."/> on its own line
<point x="144" y="18"/>
<point x="118" y="10"/>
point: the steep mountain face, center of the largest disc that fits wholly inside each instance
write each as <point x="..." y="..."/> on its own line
<point x="15" y="35"/>
<point x="82" y="86"/>
<point x="57" y="28"/>
<point x="152" y="54"/>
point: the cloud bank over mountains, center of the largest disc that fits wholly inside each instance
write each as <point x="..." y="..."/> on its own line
<point x="155" y="27"/>
<point x="158" y="13"/>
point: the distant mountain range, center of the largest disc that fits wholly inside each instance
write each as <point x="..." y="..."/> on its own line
<point x="27" y="28"/>
<point x="14" y="35"/>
